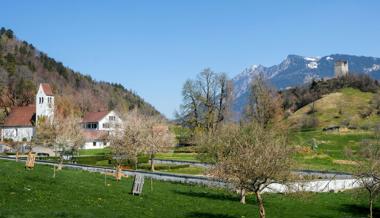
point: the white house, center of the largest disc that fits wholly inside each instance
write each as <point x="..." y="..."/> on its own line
<point x="20" y="123"/>
<point x="96" y="126"/>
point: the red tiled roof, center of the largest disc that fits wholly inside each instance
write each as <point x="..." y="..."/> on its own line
<point x="93" y="117"/>
<point x="47" y="89"/>
<point x="94" y="134"/>
<point x="21" y="116"/>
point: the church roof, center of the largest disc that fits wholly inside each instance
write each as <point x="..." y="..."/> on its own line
<point x="47" y="89"/>
<point x="21" y="116"/>
<point x="93" y="117"/>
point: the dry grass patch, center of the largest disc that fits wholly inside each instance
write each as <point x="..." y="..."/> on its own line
<point x="345" y="162"/>
<point x="317" y="156"/>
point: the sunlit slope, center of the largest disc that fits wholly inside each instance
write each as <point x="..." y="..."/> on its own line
<point x="348" y="107"/>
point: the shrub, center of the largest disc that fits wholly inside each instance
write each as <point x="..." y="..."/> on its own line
<point x="186" y="149"/>
<point x="365" y="126"/>
<point x="309" y="122"/>
<point x="163" y="166"/>
<point x="345" y="122"/>
<point x="365" y="112"/>
<point x="89" y="160"/>
<point x="142" y="159"/>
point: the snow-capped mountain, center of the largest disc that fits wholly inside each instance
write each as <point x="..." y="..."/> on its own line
<point x="297" y="70"/>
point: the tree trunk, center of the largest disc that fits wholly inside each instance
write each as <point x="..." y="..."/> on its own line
<point x="242" y="195"/>
<point x="261" y="205"/>
<point x="136" y="162"/>
<point x="118" y="172"/>
<point x="370" y="206"/>
<point x="60" y="164"/>
<point x="152" y="162"/>
<point x="17" y="156"/>
<point x="54" y="171"/>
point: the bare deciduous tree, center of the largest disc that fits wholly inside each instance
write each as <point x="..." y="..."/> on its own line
<point x="253" y="154"/>
<point x="250" y="157"/>
<point x="126" y="142"/>
<point x="265" y="104"/>
<point x="157" y="137"/>
<point x="63" y="134"/>
<point x="206" y="100"/>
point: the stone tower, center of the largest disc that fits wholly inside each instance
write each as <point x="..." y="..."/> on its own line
<point x="44" y="102"/>
<point x="341" y="68"/>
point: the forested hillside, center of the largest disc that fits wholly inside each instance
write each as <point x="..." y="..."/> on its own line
<point x="23" y="67"/>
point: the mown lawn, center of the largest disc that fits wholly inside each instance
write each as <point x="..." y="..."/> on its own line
<point x="191" y="170"/>
<point x="178" y="156"/>
<point x="76" y="193"/>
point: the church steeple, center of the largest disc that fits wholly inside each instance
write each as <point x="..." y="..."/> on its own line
<point x="44" y="102"/>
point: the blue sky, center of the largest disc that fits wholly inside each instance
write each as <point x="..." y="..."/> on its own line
<point x="152" y="47"/>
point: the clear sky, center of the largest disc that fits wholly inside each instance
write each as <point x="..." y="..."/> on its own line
<point x="153" y="46"/>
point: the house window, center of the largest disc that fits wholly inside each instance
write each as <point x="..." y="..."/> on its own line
<point x="94" y="143"/>
<point x="106" y="125"/>
<point x="91" y="125"/>
<point x="112" y="118"/>
<point x="41" y="100"/>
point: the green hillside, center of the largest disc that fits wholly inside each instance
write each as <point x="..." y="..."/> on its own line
<point x="348" y="108"/>
<point x="23" y="67"/>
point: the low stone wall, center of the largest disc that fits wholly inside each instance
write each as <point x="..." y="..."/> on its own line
<point x="333" y="185"/>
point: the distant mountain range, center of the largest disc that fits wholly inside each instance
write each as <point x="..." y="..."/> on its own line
<point x="296" y="70"/>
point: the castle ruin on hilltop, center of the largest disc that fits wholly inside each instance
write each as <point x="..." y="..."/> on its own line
<point x="341" y="68"/>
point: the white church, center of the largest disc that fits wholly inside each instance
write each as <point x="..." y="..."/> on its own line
<point x="20" y="125"/>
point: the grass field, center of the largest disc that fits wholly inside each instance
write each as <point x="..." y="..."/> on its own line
<point x="178" y="156"/>
<point x="330" y="154"/>
<point x="82" y="194"/>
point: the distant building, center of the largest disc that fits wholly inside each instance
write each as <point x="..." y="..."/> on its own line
<point x="20" y="123"/>
<point x="341" y="68"/>
<point x="96" y="126"/>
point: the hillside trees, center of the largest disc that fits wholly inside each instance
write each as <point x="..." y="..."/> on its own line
<point x="21" y="60"/>
<point x="206" y="101"/>
<point x="17" y="92"/>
